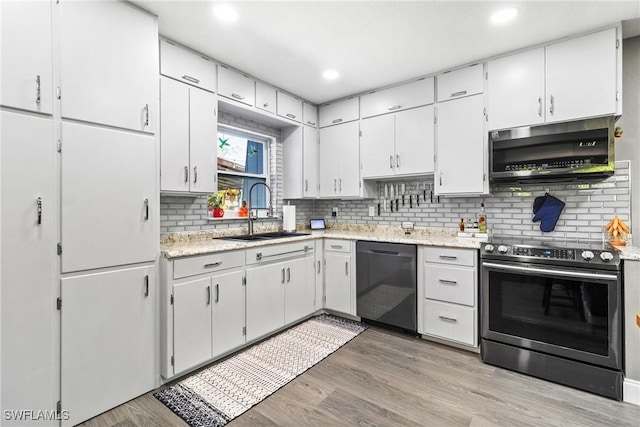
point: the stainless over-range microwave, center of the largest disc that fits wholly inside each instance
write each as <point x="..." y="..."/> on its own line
<point x="580" y="149"/>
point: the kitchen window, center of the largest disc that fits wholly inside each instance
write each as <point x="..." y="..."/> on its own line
<point x="242" y="161"/>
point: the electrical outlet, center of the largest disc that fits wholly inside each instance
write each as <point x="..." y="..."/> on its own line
<point x="372" y="211"/>
<point x="334" y="211"/>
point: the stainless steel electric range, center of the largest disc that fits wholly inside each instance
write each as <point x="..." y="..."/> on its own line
<point x="553" y="310"/>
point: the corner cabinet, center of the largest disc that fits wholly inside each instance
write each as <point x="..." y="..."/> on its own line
<point x="340" y="161"/>
<point x="339" y="278"/>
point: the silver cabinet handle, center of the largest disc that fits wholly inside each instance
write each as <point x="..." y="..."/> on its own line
<point x="146" y="114"/>
<point x="291" y="116"/>
<point x="390" y="161"/>
<point x="282" y="280"/>
<point x="217" y="292"/>
<point x="440" y="179"/>
<point x="551" y="108"/>
<point x="146" y="285"/>
<point x="335" y="185"/>
<point x="39" y="209"/>
<point x="38" y="89"/>
<point x="288" y="275"/>
<point x="539" y="106"/>
<point x="306" y="185"/>
<point x="195" y="174"/>
<point x="186" y="174"/>
<point x="462" y="92"/>
<point x="395" y="107"/>
<point x="258" y="256"/>
<point x="337" y="121"/>
<point x="209" y="295"/>
<point x="346" y="268"/>
<point x="448" y="282"/>
<point x="336" y="246"/>
<point x="191" y="79"/>
<point x="146" y="209"/>
<point x="318" y="267"/>
<point x="448" y="257"/>
<point x="340" y="184"/>
<point x="448" y="319"/>
<point x="397" y="160"/>
<point x="266" y="104"/>
<point x="213" y="264"/>
<point x="236" y="96"/>
<point x="311" y="123"/>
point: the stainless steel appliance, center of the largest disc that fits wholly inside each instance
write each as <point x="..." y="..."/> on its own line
<point x="553" y="310"/>
<point x="386" y="275"/>
<point x="580" y="149"/>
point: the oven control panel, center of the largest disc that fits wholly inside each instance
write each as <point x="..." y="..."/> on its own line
<point x="569" y="254"/>
<point x="582" y="256"/>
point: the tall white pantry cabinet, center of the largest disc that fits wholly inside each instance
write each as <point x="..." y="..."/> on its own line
<point x="79" y="207"/>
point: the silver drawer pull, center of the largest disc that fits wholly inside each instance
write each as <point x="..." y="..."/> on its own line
<point x="236" y="96"/>
<point x="266" y="104"/>
<point x="448" y="282"/>
<point x="311" y="123"/>
<point x="462" y="92"/>
<point x="191" y="79"/>
<point x="38" y="89"/>
<point x="448" y="319"/>
<point x="217" y="292"/>
<point x="291" y="116"/>
<point x="337" y="121"/>
<point x="258" y="256"/>
<point x="336" y="246"/>
<point x="208" y="295"/>
<point x="213" y="264"/>
<point x="395" y="107"/>
<point x="448" y="257"/>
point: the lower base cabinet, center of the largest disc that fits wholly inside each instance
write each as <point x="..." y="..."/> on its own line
<point x="265" y="299"/>
<point x="228" y="307"/>
<point x="339" y="280"/>
<point x="107" y="340"/>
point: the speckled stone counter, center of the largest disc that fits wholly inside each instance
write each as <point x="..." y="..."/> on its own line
<point x="631" y="253"/>
<point x="175" y="245"/>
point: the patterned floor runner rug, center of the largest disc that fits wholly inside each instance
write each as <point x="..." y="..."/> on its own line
<point x="216" y="395"/>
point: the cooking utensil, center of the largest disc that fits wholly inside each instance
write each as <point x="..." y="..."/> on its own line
<point x="397" y="197"/>
<point x="391" y="196"/>
<point x="403" y="192"/>
<point x="411" y="200"/>
<point x="386" y="196"/>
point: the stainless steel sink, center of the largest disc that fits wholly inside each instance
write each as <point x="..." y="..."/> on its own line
<point x="264" y="236"/>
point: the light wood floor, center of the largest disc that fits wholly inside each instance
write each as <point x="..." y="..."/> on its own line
<point x="384" y="379"/>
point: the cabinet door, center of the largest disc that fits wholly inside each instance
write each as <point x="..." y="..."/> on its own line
<point x="187" y="67"/>
<point x="309" y="114"/>
<point x="409" y="95"/>
<point x="109" y="197"/>
<point x="174" y="136"/>
<point x="310" y="161"/>
<point x="349" y="160"/>
<point x="415" y="141"/>
<point x="27" y="257"/>
<point x="460" y="146"/>
<point x="107" y="340"/>
<point x="203" y="139"/>
<point x="265" y="299"/>
<point x="299" y="289"/>
<point x="581" y="76"/>
<point x="516" y="90"/>
<point x="236" y="86"/>
<point x="377" y="146"/>
<point x="265" y="97"/>
<point x="337" y="282"/>
<point x="114" y="79"/>
<point x="228" y="312"/>
<point x="340" y="112"/>
<point x="459" y="83"/>
<point x="292" y="159"/>
<point x="26" y="66"/>
<point x="329" y="157"/>
<point x="191" y="324"/>
<point x="289" y="107"/>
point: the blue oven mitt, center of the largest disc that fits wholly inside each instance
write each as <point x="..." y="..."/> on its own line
<point x="547" y="210"/>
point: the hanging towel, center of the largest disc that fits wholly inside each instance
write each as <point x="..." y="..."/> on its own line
<point x="547" y="210"/>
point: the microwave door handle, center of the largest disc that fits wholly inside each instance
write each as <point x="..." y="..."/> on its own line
<point x="562" y="273"/>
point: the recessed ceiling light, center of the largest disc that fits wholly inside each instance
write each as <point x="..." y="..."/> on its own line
<point x="504" y="15"/>
<point x="330" y="74"/>
<point x="225" y="13"/>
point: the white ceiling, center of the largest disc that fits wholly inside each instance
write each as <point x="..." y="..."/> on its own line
<point x="372" y="43"/>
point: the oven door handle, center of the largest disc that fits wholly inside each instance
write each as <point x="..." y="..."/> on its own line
<point x="555" y="272"/>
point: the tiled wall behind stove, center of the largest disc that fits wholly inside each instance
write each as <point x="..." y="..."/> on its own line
<point x="509" y="209"/>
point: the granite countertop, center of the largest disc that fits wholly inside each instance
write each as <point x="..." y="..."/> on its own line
<point x="176" y="245"/>
<point x="631" y="253"/>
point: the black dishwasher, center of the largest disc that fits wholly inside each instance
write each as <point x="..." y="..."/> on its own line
<point x="386" y="284"/>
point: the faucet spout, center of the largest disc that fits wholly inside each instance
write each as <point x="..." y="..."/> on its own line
<point x="270" y="212"/>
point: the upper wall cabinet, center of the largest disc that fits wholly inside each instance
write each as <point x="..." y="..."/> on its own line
<point x="397" y="98"/>
<point x="459" y="83"/>
<point x="289" y="107"/>
<point x="581" y="76"/>
<point x="109" y="64"/>
<point x="26" y="62"/>
<point x="187" y="67"/>
<point x="236" y="86"/>
<point x="266" y="97"/>
<point x="340" y="112"/>
<point x="309" y="114"/>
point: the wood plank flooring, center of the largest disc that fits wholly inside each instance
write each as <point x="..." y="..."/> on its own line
<point x="381" y="378"/>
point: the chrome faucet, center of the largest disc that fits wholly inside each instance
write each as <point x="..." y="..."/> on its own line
<point x="249" y="217"/>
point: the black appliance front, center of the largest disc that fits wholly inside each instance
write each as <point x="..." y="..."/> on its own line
<point x="558" y="323"/>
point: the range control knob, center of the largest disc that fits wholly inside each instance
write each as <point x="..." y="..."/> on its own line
<point x="606" y="256"/>
<point x="503" y="249"/>
<point x="488" y="248"/>
<point x="587" y="255"/>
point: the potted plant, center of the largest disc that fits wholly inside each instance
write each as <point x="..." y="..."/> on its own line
<point x="215" y="205"/>
<point x="244" y="210"/>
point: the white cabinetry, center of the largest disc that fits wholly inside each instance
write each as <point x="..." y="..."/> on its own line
<point x="398" y="144"/>
<point x="188" y="141"/>
<point x="300" y="157"/>
<point x="289" y="107"/>
<point x="27" y="257"/>
<point x="450" y="308"/>
<point x="236" y="86"/>
<point x="228" y="311"/>
<point x="340" y="161"/>
<point x="26" y="58"/>
<point x="186" y="66"/>
<point x="340" y="112"/>
<point x="397" y="98"/>
<point x="339" y="280"/>
<point x="108" y="347"/>
<point x="108" y="71"/>
<point x="266" y="98"/>
<point x="460" y="83"/>
<point x="309" y="114"/>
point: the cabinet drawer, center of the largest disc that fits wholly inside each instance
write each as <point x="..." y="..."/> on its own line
<point x="457" y="84"/>
<point x="335" y="245"/>
<point x="398" y="98"/>
<point x="451" y="256"/>
<point x="451" y="322"/>
<point x="289" y="107"/>
<point x="236" y="86"/>
<point x="187" y="67"/>
<point x="309" y="114"/>
<point x="340" y="112"/>
<point x="450" y="284"/>
<point x="265" y="97"/>
<point x="191" y="266"/>
<point x="266" y="254"/>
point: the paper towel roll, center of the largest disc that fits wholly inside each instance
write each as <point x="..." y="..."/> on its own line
<point x="289" y="218"/>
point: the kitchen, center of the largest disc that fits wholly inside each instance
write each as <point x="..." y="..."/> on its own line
<point x="70" y="201"/>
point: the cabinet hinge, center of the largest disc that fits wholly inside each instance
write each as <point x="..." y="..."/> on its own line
<point x="173" y="361"/>
<point x="244" y="330"/>
<point x="59" y="248"/>
<point x="244" y="281"/>
<point x="171" y="299"/>
<point x="58" y="408"/>
<point x="59" y="303"/>
<point x="59" y="146"/>
<point x="617" y="43"/>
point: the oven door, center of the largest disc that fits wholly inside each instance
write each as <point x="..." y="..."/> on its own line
<point x="567" y="312"/>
